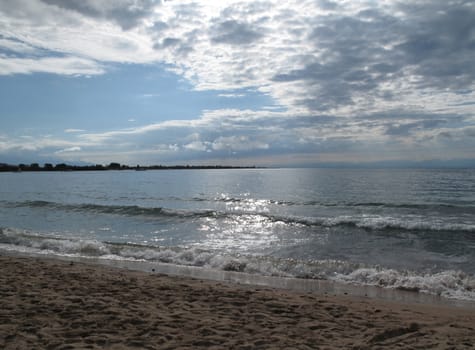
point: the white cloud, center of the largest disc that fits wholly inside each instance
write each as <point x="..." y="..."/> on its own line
<point x="196" y="146"/>
<point x="232" y="95"/>
<point x="38" y="143"/>
<point x="150" y="95"/>
<point x="69" y="150"/>
<point x="17" y="46"/>
<point x="70" y="131"/>
<point x="238" y="143"/>
<point x="57" y="65"/>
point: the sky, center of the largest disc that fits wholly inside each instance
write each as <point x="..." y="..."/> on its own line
<point x="265" y="83"/>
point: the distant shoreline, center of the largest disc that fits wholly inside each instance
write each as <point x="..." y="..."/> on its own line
<point x="35" y="167"/>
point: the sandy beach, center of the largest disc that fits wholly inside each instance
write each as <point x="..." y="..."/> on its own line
<point x="53" y="304"/>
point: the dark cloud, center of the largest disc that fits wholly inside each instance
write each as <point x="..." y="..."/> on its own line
<point x="235" y="33"/>
<point x="327" y="5"/>
<point x="181" y="47"/>
<point x="399" y="122"/>
<point x="384" y="68"/>
<point x="433" y="41"/>
<point x="441" y="44"/>
<point x="165" y="35"/>
<point x="470" y="132"/>
<point x="413" y="122"/>
<point x="126" y="14"/>
<point x="445" y="134"/>
<point x="158" y="26"/>
<point x="351" y="59"/>
<point x="170" y="42"/>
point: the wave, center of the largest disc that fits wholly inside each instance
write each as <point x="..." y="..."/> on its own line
<point x="127" y="210"/>
<point x="422" y="206"/>
<point x="379" y="222"/>
<point x="407" y="223"/>
<point x="459" y="208"/>
<point x="467" y="206"/>
<point x="449" y="284"/>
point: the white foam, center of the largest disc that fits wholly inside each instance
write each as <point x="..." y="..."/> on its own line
<point x="23" y="239"/>
<point x="408" y="222"/>
<point x="449" y="284"/>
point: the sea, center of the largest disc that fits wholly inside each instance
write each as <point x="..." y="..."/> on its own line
<point x="410" y="229"/>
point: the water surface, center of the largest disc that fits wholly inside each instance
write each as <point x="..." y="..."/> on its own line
<point x="412" y="229"/>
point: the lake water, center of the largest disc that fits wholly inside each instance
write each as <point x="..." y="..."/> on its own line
<point x="408" y="229"/>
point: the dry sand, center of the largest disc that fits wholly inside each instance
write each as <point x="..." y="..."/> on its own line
<point x="52" y="304"/>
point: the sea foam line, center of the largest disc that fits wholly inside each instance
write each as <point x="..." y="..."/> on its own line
<point x="449" y="284"/>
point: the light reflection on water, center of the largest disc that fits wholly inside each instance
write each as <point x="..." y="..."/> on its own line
<point x="242" y="233"/>
<point x="249" y="205"/>
<point x="246" y="229"/>
<point x="244" y="203"/>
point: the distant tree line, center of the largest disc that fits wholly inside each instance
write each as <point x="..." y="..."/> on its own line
<point x="111" y="166"/>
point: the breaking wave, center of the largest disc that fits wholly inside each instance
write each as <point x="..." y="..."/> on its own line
<point x="450" y="284"/>
<point x="409" y="222"/>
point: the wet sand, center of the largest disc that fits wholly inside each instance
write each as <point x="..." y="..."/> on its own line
<point x="53" y="304"/>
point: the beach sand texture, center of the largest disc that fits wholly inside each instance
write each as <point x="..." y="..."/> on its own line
<point x="52" y="304"/>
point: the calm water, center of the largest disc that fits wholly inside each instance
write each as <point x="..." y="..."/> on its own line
<point x="395" y="228"/>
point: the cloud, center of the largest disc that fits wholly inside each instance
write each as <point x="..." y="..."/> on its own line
<point x="150" y="95"/>
<point x="278" y="138"/>
<point x="197" y="146"/>
<point x="327" y="5"/>
<point x="427" y="45"/>
<point x="69" y="150"/>
<point x="41" y="37"/>
<point x="58" y="65"/>
<point x="237" y="143"/>
<point x="406" y="128"/>
<point x="230" y="95"/>
<point x="28" y="143"/>
<point x="355" y="59"/>
<point x="73" y="130"/>
<point x="439" y="46"/>
<point x="235" y="33"/>
<point x="126" y="13"/>
<point x="319" y="56"/>
<point x="341" y="77"/>
<point x="16" y="46"/>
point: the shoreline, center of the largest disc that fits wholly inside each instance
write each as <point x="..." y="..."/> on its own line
<point x="35" y="167"/>
<point x="53" y="303"/>
<point x="291" y="284"/>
